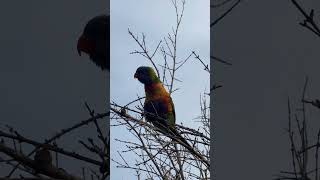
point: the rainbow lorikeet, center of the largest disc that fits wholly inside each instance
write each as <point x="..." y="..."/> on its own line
<point x="43" y="158"/>
<point x="159" y="107"/>
<point x="95" y="41"/>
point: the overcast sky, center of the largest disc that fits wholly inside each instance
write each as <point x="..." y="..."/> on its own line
<point x="155" y="19"/>
<point x="44" y="82"/>
<point x="271" y="55"/>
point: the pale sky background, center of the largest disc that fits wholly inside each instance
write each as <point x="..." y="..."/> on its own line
<point x="155" y="19"/>
<point x="44" y="82"/>
<point x="271" y="55"/>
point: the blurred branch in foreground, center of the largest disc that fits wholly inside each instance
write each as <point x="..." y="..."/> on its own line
<point x="46" y="162"/>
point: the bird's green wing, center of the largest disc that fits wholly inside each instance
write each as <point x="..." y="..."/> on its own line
<point x="171" y="115"/>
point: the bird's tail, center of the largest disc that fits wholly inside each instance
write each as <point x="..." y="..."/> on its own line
<point x="176" y="136"/>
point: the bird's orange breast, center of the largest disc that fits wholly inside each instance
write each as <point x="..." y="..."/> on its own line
<point x="156" y="92"/>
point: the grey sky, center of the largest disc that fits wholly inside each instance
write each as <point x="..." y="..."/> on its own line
<point x="44" y="82"/>
<point x="271" y="55"/>
<point x="155" y="19"/>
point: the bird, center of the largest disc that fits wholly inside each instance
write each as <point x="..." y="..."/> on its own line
<point x="159" y="108"/>
<point x="43" y="158"/>
<point x="158" y="105"/>
<point x="95" y="41"/>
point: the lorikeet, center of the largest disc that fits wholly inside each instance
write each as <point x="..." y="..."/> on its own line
<point x="159" y="108"/>
<point x="43" y="158"/>
<point x="95" y="41"/>
<point x="158" y="105"/>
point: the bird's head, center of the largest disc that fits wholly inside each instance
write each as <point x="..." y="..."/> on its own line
<point x="94" y="41"/>
<point x="95" y="30"/>
<point x="146" y="75"/>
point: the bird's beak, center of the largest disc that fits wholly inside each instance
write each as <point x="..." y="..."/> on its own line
<point x="135" y="75"/>
<point x="80" y="45"/>
<point x="84" y="45"/>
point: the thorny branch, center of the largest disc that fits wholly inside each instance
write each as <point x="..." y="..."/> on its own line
<point x="216" y="21"/>
<point x="309" y="22"/>
<point x="303" y="168"/>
